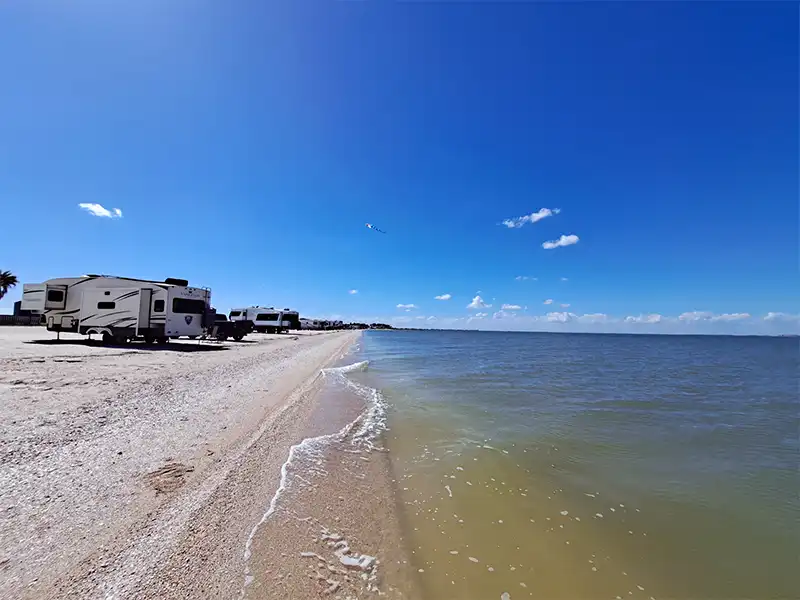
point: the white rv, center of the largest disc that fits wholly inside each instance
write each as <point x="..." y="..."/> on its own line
<point x="310" y="324"/>
<point x="120" y="308"/>
<point x="267" y="319"/>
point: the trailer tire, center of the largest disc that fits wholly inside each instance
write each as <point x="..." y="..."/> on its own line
<point x="107" y="337"/>
<point x="149" y="339"/>
<point x="238" y="336"/>
<point x="163" y="341"/>
<point x="222" y="337"/>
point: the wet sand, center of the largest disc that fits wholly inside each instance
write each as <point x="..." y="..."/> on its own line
<point x="136" y="473"/>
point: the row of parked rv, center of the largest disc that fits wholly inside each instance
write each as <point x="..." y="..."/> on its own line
<point x="122" y="309"/>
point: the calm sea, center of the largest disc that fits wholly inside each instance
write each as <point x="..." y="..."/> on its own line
<point x="593" y="466"/>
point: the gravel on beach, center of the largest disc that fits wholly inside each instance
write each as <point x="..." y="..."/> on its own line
<point x="124" y="467"/>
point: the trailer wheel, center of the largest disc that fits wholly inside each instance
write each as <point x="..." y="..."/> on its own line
<point x="238" y="336"/>
<point x="163" y="341"/>
<point x="192" y="337"/>
<point x="222" y="337"/>
<point x="107" y="338"/>
<point x="149" y="339"/>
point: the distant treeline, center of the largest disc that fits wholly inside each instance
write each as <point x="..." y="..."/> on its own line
<point x="367" y="326"/>
<point x="337" y="325"/>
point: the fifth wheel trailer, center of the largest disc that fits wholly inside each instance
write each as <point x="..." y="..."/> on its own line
<point x="120" y="308"/>
<point x="267" y="319"/>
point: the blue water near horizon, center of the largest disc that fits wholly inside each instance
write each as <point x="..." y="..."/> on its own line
<point x="700" y="433"/>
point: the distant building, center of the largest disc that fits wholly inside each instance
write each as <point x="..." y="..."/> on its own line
<point x="18" y="312"/>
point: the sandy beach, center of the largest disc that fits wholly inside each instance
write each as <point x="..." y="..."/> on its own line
<point x="143" y="473"/>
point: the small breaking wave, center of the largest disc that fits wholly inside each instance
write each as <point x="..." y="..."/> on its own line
<point x="359" y="366"/>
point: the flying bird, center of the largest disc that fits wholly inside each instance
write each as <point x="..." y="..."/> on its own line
<point x="369" y="226"/>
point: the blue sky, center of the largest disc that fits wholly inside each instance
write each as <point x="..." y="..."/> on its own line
<point x="247" y="143"/>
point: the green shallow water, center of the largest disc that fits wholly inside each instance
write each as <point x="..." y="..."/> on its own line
<point x="559" y="466"/>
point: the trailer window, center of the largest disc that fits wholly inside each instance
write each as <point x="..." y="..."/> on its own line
<point x="236" y="313"/>
<point x="158" y="306"/>
<point x="106" y="305"/>
<point x="55" y="295"/>
<point x="185" y="305"/>
<point x="267" y="317"/>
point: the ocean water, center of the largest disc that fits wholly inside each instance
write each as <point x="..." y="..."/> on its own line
<point x="592" y="466"/>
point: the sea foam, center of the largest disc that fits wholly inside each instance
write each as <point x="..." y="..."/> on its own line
<point x="361" y="432"/>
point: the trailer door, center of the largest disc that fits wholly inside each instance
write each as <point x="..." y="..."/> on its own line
<point x="145" y="302"/>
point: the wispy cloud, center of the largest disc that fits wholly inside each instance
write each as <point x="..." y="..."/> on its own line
<point x="560" y="317"/>
<point x="651" y="318"/>
<point x="564" y="240"/>
<point x="565" y="306"/>
<point x="540" y="214"/>
<point x="432" y="318"/>
<point x="565" y="279"/>
<point x="697" y="315"/>
<point x="548" y="301"/>
<point x="98" y="210"/>
<point x="443" y="297"/>
<point x="594" y="318"/>
<point x="511" y="307"/>
<point x="353" y="292"/>
<point x="480" y="315"/>
<point x="478" y="303"/>
<point x="731" y="317"/>
<point x="407" y="307"/>
<point x="526" y="278"/>
<point x="780" y="316"/>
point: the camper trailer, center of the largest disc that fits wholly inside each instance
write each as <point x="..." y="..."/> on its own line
<point x="120" y="308"/>
<point x="292" y="317"/>
<point x="267" y="319"/>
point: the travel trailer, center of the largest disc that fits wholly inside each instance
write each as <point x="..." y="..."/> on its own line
<point x="293" y="317"/>
<point x="267" y="319"/>
<point x="311" y="324"/>
<point x="120" y="308"/>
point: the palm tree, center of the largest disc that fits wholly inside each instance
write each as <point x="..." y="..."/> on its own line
<point x="7" y="280"/>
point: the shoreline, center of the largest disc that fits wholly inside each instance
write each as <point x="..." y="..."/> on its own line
<point x="134" y="473"/>
<point x="335" y="531"/>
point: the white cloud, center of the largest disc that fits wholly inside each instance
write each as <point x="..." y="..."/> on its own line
<point x="731" y="317"/>
<point x="407" y="307"/>
<point x="651" y="318"/>
<point x="443" y="297"/>
<point x="565" y="279"/>
<point x="697" y="315"/>
<point x="594" y="318"/>
<point x="98" y="210"/>
<point x="564" y="240"/>
<point x="540" y="214"/>
<point x="477" y="303"/>
<point x="560" y="317"/>
<point x="432" y="318"/>
<point x="511" y="307"/>
<point x="525" y="278"/>
<point x="565" y="306"/>
<point x="779" y="316"/>
<point x="548" y="301"/>
<point x="353" y="292"/>
<point x="478" y="316"/>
